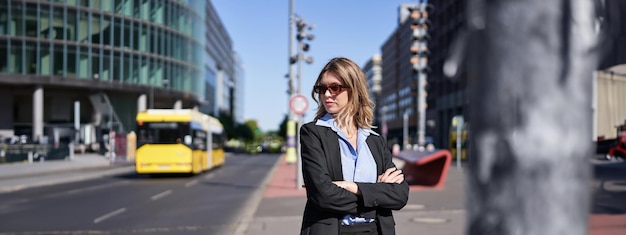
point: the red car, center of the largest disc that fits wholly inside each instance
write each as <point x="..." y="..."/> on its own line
<point x="619" y="150"/>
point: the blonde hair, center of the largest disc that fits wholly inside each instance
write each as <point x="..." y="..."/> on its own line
<point x="359" y="110"/>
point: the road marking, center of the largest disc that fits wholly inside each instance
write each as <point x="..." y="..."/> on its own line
<point x="191" y="183"/>
<point x="109" y="215"/>
<point x="209" y="176"/>
<point x="80" y="190"/>
<point x="18" y="201"/>
<point x="161" y="195"/>
<point x="429" y="220"/>
<point x="613" y="186"/>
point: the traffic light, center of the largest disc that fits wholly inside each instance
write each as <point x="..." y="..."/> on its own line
<point x="290" y="88"/>
<point x="302" y="35"/>
<point x="419" y="50"/>
<point x="419" y="37"/>
<point x="419" y="24"/>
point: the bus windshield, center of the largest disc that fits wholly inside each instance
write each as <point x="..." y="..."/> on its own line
<point x="162" y="133"/>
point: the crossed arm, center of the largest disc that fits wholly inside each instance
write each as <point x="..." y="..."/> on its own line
<point x="391" y="176"/>
<point x="390" y="191"/>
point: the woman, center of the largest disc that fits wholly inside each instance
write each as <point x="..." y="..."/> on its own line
<point x="352" y="185"/>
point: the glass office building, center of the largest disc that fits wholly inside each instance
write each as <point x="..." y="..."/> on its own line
<point x="133" y="54"/>
<point x="137" y="42"/>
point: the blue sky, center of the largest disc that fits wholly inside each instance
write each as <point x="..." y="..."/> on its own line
<point x="259" y="29"/>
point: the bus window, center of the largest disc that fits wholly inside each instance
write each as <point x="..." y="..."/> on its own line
<point x="199" y="140"/>
<point x="218" y="140"/>
<point x="161" y="133"/>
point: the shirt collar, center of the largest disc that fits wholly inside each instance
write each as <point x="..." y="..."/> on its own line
<point x="328" y="121"/>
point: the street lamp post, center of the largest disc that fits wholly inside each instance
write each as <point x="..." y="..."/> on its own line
<point x="419" y="61"/>
<point x="301" y="35"/>
<point x="405" y="130"/>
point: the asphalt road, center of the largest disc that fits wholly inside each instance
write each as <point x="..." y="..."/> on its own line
<point x="609" y="187"/>
<point x="210" y="203"/>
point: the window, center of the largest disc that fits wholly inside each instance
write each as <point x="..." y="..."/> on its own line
<point x="199" y="140"/>
<point x="162" y="133"/>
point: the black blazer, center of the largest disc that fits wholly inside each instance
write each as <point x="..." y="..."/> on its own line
<point x="327" y="203"/>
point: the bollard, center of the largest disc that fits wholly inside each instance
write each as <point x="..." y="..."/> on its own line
<point x="71" y="147"/>
<point x="30" y="157"/>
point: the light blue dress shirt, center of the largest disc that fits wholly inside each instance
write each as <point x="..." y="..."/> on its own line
<point x="357" y="165"/>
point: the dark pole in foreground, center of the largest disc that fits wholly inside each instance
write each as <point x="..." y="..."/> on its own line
<point x="530" y="66"/>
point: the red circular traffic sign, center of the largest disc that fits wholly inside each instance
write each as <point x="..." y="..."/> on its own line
<point x="298" y="104"/>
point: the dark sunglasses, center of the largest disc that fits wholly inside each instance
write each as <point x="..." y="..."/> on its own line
<point x="333" y="88"/>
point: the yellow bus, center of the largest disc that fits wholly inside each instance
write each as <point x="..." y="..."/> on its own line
<point x="178" y="141"/>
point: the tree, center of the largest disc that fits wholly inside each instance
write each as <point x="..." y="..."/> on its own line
<point x="254" y="128"/>
<point x="282" y="129"/>
<point x="244" y="132"/>
<point x="229" y="124"/>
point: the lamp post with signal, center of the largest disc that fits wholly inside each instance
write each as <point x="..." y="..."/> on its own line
<point x="296" y="100"/>
<point x="302" y="35"/>
<point x="419" y="63"/>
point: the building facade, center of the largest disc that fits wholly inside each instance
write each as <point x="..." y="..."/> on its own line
<point x="373" y="73"/>
<point x="399" y="94"/>
<point x="447" y="97"/>
<point x="98" y="63"/>
<point x="239" y="92"/>
<point x="398" y="106"/>
<point x="219" y="64"/>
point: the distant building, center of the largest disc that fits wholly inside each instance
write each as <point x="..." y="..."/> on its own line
<point x="399" y="81"/>
<point x="446" y="97"/>
<point x="373" y="73"/>
<point x="399" y="90"/>
<point x="220" y="65"/>
<point x="109" y="58"/>
<point x="239" y="92"/>
<point x="614" y="20"/>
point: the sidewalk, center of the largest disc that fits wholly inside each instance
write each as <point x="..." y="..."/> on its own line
<point x="429" y="211"/>
<point x="21" y="175"/>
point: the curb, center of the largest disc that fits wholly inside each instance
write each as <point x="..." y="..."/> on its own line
<point x="70" y="179"/>
<point x="55" y="171"/>
<point x="252" y="204"/>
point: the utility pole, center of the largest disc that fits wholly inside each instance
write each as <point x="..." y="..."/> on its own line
<point x="292" y="26"/>
<point x="301" y="35"/>
<point x="530" y="68"/>
<point x="419" y="62"/>
<point x="295" y="119"/>
<point x="290" y="154"/>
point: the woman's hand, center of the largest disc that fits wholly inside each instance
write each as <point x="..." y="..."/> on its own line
<point x="350" y="186"/>
<point x="391" y="175"/>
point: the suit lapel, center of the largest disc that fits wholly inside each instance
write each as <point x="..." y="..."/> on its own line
<point x="333" y="154"/>
<point x="376" y="153"/>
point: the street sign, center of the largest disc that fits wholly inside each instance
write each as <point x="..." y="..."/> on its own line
<point x="298" y="104"/>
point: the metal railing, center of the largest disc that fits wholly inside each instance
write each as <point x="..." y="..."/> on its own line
<point x="33" y="152"/>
